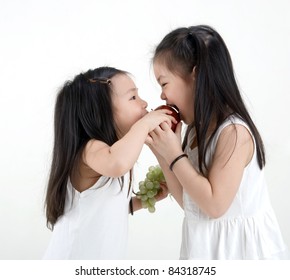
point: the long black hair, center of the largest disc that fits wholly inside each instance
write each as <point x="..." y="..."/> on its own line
<point x="216" y="94"/>
<point x="83" y="111"/>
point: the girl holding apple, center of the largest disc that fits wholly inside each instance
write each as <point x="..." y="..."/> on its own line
<point x="216" y="173"/>
<point x="100" y="126"/>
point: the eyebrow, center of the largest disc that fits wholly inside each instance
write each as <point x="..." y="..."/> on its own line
<point x="160" y="77"/>
<point x="131" y="89"/>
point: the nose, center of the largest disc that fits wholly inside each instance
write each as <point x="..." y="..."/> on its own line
<point x="162" y="96"/>
<point x="144" y="103"/>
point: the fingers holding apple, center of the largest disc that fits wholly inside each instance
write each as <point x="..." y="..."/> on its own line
<point x="174" y="113"/>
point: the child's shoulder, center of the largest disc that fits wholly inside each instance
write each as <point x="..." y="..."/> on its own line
<point x="94" y="145"/>
<point x="233" y="126"/>
<point x="233" y="120"/>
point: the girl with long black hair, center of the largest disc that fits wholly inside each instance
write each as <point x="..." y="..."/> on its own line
<point x="100" y="126"/>
<point x="217" y="174"/>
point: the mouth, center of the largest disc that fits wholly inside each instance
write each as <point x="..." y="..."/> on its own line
<point x="174" y="107"/>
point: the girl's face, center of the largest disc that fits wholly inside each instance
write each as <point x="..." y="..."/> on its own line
<point x="177" y="91"/>
<point x="128" y="107"/>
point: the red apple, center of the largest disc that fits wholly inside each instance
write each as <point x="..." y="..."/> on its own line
<point x="175" y="114"/>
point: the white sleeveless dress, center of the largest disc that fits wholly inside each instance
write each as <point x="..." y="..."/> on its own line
<point x="248" y="230"/>
<point x="94" y="224"/>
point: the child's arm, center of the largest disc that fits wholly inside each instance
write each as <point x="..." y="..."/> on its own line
<point x="214" y="194"/>
<point x="118" y="159"/>
<point x="172" y="182"/>
<point x="173" y="185"/>
<point x="137" y="204"/>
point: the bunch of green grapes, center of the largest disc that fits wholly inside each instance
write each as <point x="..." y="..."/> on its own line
<point x="150" y="187"/>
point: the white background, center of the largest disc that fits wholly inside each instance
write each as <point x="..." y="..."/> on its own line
<point x="44" y="43"/>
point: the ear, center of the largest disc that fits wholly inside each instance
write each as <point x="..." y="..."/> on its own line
<point x="193" y="73"/>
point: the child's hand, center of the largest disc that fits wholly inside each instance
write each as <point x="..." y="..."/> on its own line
<point x="154" y="118"/>
<point x="163" y="192"/>
<point x="153" y="188"/>
<point x="164" y="142"/>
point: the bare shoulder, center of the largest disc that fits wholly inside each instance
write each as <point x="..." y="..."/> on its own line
<point x="235" y="139"/>
<point x="239" y="132"/>
<point x="92" y="148"/>
<point x="94" y="145"/>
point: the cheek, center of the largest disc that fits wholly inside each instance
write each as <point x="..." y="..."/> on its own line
<point x="126" y="119"/>
<point x="185" y="103"/>
<point x="119" y="117"/>
<point x="133" y="116"/>
<point x="189" y="112"/>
